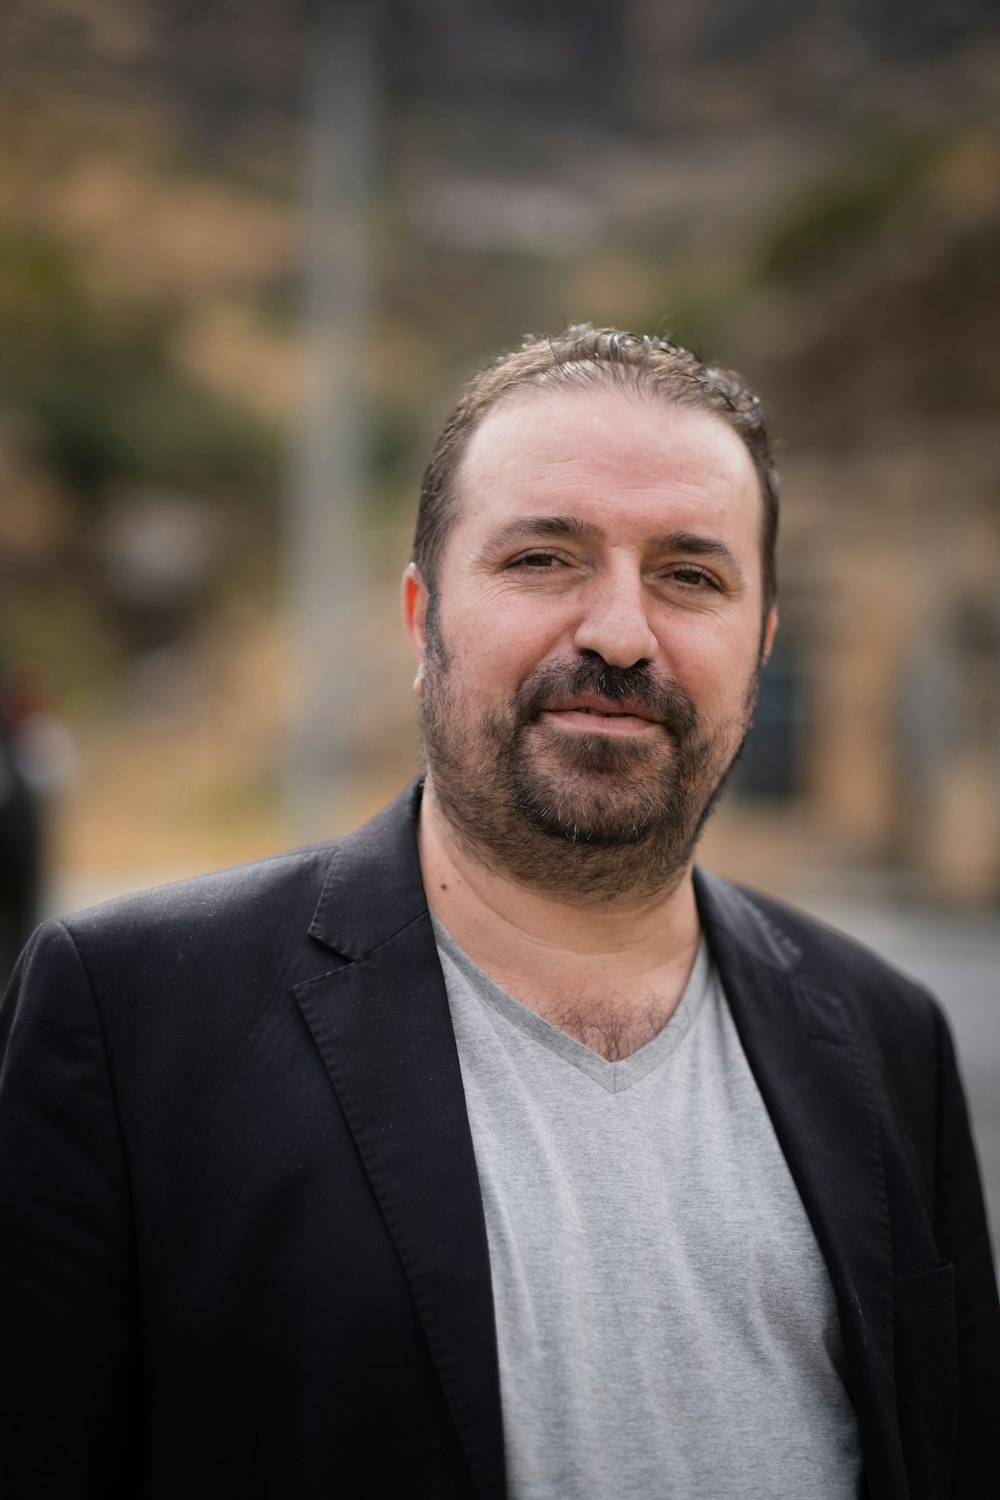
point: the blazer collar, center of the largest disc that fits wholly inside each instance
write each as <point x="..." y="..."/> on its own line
<point x="373" y="887"/>
<point x="380" y="859"/>
<point x="725" y="909"/>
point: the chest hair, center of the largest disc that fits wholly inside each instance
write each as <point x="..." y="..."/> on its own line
<point x="614" y="1025"/>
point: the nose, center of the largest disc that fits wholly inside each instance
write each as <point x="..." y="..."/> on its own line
<point x="615" y="622"/>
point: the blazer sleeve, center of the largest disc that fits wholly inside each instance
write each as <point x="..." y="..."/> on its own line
<point x="68" y="1317"/>
<point x="963" y="1239"/>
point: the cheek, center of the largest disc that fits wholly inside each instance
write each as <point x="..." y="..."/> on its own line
<point x="495" y="646"/>
<point x="712" y="660"/>
<point x="490" y="671"/>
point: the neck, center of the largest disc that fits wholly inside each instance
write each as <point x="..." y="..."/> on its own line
<point x="504" y="923"/>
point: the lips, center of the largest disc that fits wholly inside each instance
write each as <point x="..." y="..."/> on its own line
<point x="614" y="720"/>
<point x="587" y="696"/>
<point x="599" y="708"/>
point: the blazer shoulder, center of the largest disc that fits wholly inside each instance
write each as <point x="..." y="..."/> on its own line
<point x="235" y="886"/>
<point x="839" y="989"/>
<point x="819" y="956"/>
<point x="240" y="907"/>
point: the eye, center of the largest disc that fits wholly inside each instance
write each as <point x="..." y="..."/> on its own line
<point x="536" y="561"/>
<point x="693" y="578"/>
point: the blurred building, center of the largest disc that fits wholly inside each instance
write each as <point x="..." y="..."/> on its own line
<point x="810" y="192"/>
<point x="877" y="745"/>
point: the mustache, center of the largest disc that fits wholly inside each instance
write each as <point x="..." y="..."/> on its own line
<point x="637" y="686"/>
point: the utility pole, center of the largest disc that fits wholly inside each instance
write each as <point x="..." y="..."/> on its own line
<point x="330" y="444"/>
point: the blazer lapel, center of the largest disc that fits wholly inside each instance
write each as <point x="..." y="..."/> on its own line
<point x="383" y="1028"/>
<point x="810" y="1067"/>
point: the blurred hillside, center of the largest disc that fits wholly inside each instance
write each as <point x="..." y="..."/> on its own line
<point x="808" y="192"/>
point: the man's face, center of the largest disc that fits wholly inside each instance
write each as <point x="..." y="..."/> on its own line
<point x="589" y="664"/>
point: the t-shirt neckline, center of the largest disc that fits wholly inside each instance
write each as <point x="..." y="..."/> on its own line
<point x="615" y="1076"/>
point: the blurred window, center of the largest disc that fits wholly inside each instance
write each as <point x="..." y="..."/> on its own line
<point x="772" y="764"/>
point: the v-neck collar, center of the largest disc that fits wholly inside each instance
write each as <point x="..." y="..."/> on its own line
<point x="616" y="1076"/>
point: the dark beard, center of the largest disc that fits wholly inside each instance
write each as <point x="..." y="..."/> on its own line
<point x="582" y="817"/>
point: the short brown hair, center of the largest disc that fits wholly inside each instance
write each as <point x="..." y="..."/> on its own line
<point x="582" y="356"/>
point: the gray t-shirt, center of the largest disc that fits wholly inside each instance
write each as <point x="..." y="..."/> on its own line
<point x="665" y="1321"/>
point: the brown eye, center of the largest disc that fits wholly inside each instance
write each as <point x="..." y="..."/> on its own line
<point x="692" y="578"/>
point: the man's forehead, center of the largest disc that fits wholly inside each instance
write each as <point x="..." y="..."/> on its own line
<point x="564" y="440"/>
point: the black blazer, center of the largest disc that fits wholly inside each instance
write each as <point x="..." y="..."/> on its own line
<point x="242" y="1248"/>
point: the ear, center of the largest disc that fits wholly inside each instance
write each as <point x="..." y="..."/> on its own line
<point x="767" y="634"/>
<point x="415" y="597"/>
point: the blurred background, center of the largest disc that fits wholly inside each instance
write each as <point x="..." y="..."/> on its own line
<point x="250" y="250"/>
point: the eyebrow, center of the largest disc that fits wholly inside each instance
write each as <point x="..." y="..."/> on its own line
<point x="689" y="543"/>
<point x="694" y="545"/>
<point x="527" y="527"/>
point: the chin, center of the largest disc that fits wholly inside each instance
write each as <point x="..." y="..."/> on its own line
<point x="602" y="755"/>
<point x="593" y="808"/>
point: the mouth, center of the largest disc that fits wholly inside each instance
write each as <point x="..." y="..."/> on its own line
<point x="596" y="715"/>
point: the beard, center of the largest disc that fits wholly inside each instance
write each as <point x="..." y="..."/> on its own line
<point x="577" y="816"/>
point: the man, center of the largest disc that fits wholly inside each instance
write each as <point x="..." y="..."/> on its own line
<point x="495" y="1151"/>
